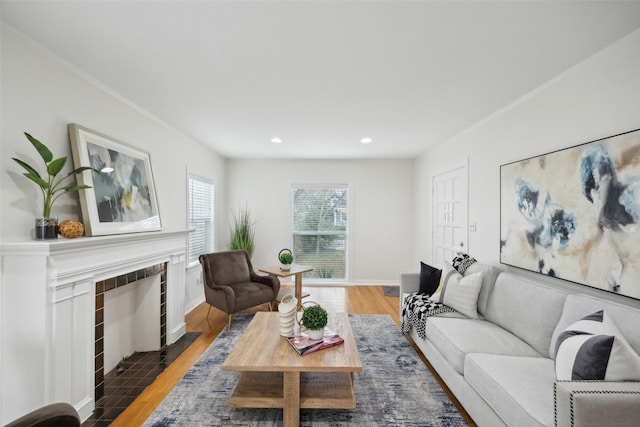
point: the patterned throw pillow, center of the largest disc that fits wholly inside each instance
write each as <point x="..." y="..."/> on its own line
<point x="594" y="349"/>
<point x="462" y="261"/>
<point x="429" y="279"/>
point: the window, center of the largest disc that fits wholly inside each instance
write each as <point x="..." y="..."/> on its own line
<point x="320" y="229"/>
<point x="201" y="225"/>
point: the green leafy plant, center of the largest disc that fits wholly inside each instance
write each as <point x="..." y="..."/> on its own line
<point x="242" y="231"/>
<point x="314" y="317"/>
<point x="51" y="185"/>
<point x="286" y="257"/>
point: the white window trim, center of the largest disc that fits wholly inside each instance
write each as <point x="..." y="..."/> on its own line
<point x="351" y="210"/>
<point x="190" y="176"/>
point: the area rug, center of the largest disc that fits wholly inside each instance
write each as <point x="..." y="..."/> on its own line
<point x="394" y="388"/>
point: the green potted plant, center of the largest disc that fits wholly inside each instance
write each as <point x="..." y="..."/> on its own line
<point x="286" y="259"/>
<point x="50" y="185"/>
<point x="314" y="318"/>
<point x="242" y="231"/>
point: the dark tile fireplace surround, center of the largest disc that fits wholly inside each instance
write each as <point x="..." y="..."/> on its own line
<point x="116" y="282"/>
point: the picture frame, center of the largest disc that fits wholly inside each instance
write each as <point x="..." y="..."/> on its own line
<point x="574" y="214"/>
<point x="122" y="198"/>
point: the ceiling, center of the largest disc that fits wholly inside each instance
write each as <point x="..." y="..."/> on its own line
<point x="321" y="75"/>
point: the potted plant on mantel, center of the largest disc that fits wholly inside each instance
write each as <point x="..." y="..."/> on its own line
<point x="52" y="187"/>
<point x="314" y="318"/>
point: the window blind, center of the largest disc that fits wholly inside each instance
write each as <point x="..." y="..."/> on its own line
<point x="201" y="220"/>
<point x="320" y="227"/>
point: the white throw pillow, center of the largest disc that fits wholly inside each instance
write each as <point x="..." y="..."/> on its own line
<point x="594" y="349"/>
<point x="461" y="293"/>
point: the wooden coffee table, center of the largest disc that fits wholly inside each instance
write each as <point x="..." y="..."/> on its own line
<point x="275" y="376"/>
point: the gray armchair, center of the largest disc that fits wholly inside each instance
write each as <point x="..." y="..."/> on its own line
<point x="231" y="285"/>
<point x="53" y="415"/>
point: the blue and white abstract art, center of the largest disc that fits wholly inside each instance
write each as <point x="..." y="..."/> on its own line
<point x="574" y="214"/>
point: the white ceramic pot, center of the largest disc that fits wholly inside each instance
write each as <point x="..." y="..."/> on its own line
<point x="315" y="334"/>
<point x="285" y="267"/>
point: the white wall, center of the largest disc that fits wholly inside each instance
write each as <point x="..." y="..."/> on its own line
<point x="598" y="98"/>
<point x="41" y="95"/>
<point x="380" y="219"/>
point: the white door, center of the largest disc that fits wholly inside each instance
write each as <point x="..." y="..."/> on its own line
<point x="450" y="214"/>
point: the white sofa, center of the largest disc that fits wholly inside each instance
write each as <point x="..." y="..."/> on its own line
<point x="501" y="367"/>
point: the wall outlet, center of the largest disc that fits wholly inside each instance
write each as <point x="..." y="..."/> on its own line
<point x="472" y="227"/>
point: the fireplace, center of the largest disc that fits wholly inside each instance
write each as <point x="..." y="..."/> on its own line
<point x="102" y="363"/>
<point x="50" y="319"/>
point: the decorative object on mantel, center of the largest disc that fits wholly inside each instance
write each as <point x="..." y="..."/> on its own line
<point x="314" y="318"/>
<point x="242" y="232"/>
<point x="288" y="307"/>
<point x="70" y="228"/>
<point x="123" y="199"/>
<point x="46" y="227"/>
<point x="286" y="259"/>
<point x="574" y="214"/>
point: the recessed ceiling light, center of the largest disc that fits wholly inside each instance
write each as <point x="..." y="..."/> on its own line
<point x="366" y="140"/>
<point x="276" y="140"/>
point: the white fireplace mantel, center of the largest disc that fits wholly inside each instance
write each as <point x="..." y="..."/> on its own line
<point x="47" y="317"/>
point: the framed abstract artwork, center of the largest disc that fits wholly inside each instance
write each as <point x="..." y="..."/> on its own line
<point x="574" y="214"/>
<point x="123" y="197"/>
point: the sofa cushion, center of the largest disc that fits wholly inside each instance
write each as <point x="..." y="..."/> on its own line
<point x="462" y="294"/>
<point x="518" y="389"/>
<point x="577" y="306"/>
<point x="594" y="349"/>
<point x="489" y="275"/>
<point x="456" y="337"/>
<point x="429" y="279"/>
<point x="526" y="308"/>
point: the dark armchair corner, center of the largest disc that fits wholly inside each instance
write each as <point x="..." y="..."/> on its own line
<point x="53" y="415"/>
<point x="231" y="284"/>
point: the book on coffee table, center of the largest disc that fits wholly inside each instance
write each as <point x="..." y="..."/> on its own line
<point x="305" y="345"/>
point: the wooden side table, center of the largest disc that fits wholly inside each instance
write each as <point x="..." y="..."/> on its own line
<point x="296" y="270"/>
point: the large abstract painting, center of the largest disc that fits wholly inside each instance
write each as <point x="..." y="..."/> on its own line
<point x="574" y="214"/>
<point x="122" y="198"/>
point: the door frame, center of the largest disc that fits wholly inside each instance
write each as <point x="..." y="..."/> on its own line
<point x="464" y="165"/>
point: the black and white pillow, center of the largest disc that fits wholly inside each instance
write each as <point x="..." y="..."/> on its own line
<point x="462" y="261"/>
<point x="594" y="349"/>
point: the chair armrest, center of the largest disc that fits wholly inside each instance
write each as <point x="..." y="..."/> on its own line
<point x="55" y="414"/>
<point x="271" y="281"/>
<point x="596" y="403"/>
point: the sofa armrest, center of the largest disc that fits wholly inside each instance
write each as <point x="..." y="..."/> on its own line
<point x="596" y="403"/>
<point x="409" y="282"/>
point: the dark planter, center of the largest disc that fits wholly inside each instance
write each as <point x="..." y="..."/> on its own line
<point x="46" y="228"/>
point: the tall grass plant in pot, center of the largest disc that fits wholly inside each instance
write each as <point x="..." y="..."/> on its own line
<point x="242" y="231"/>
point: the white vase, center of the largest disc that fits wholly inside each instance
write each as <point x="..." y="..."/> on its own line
<point x="287" y="308"/>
